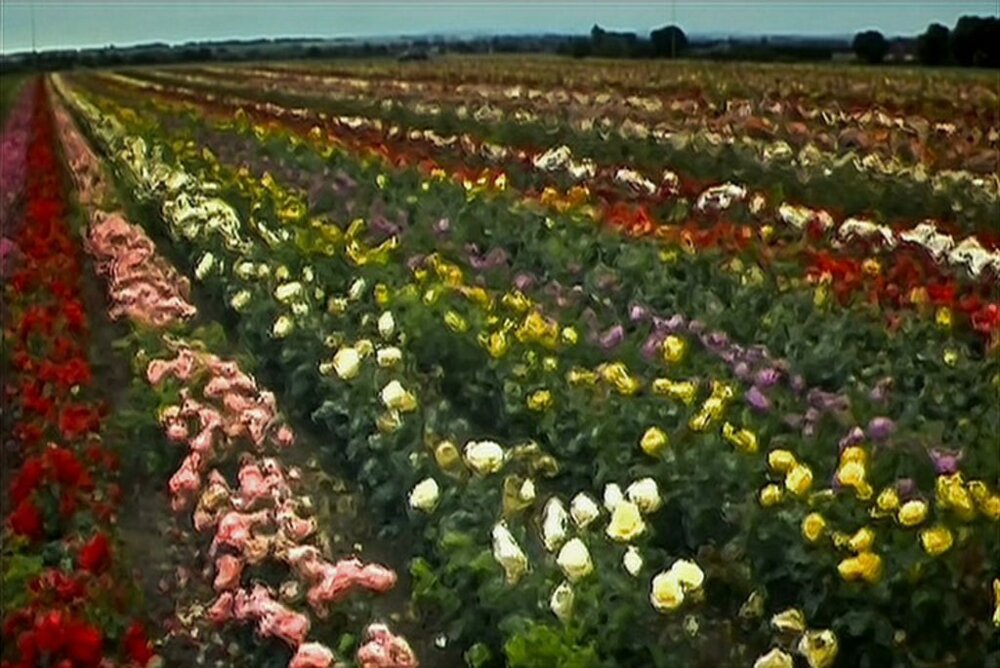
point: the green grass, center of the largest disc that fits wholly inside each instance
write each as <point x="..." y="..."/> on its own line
<point x="10" y="84"/>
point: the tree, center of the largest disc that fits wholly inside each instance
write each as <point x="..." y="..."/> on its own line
<point x="870" y="46"/>
<point x="668" y="42"/>
<point x="934" y="47"/>
<point x="975" y="42"/>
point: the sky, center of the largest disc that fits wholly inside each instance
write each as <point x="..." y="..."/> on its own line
<point x="89" y="23"/>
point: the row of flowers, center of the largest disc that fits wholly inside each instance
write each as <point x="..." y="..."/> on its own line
<point x="911" y="140"/>
<point x="905" y="268"/>
<point x="294" y="312"/>
<point x="221" y="417"/>
<point x="864" y="185"/>
<point x="68" y="597"/>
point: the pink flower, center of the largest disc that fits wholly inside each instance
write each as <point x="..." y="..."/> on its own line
<point x="382" y="649"/>
<point x="312" y="655"/>
<point x="228" y="571"/>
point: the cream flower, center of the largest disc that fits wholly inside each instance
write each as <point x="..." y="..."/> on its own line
<point x="388" y="357"/>
<point x="286" y="292"/>
<point x="561" y="602"/>
<point x="774" y="659"/>
<point x="612" y="496"/>
<point x="397" y="398"/>
<point x="386" y="325"/>
<point x="666" y="594"/>
<point x="484" y="457"/>
<point x="240" y="300"/>
<point x="424" y="495"/>
<point x="626" y="522"/>
<point x="644" y="494"/>
<point x="654" y="441"/>
<point x="356" y="290"/>
<point x="789" y="621"/>
<point x="574" y="560"/>
<point x="204" y="266"/>
<point x="554" y="522"/>
<point x="283" y="326"/>
<point x="347" y="363"/>
<point x="819" y="648"/>
<point x="632" y="561"/>
<point x="508" y="553"/>
<point x="689" y="574"/>
<point x="584" y="510"/>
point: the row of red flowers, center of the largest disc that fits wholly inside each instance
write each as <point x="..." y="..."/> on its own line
<point x="65" y="603"/>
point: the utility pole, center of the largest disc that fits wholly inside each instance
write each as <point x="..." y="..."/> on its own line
<point x="673" y="33"/>
<point x="34" y="50"/>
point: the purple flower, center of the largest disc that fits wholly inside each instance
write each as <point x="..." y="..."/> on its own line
<point x="652" y="345"/>
<point x="524" y="282"/>
<point x="716" y="340"/>
<point x="612" y="338"/>
<point x="880" y="428"/>
<point x="415" y="261"/>
<point x="880" y="393"/>
<point x="793" y="420"/>
<point x="767" y="377"/>
<point x="637" y="312"/>
<point x="798" y="383"/>
<point x="853" y="437"/>
<point x="696" y="326"/>
<point x="758" y="400"/>
<point x="442" y="227"/>
<point x="946" y="461"/>
<point x="906" y="487"/>
<point x="742" y="371"/>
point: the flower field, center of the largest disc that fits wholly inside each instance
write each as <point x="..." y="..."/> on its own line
<point x="501" y="361"/>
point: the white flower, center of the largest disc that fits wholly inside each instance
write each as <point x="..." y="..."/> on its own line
<point x="282" y="273"/>
<point x="364" y="347"/>
<point x="644" y="494"/>
<point x="204" y="266"/>
<point x="612" y="496"/>
<point x="307" y="275"/>
<point x="263" y="270"/>
<point x="246" y="270"/>
<point x="561" y="602"/>
<point x="397" y="398"/>
<point x="484" y="457"/>
<point x="574" y="560"/>
<point x="721" y="197"/>
<point x="632" y="561"/>
<point x="584" y="510"/>
<point x="386" y="325"/>
<point x="347" y="363"/>
<point x="508" y="553"/>
<point x="688" y="573"/>
<point x="240" y="300"/>
<point x="388" y="357"/>
<point x="554" y="522"/>
<point x="283" y="326"/>
<point x="300" y="308"/>
<point x="356" y="290"/>
<point x="286" y="292"/>
<point x="424" y="495"/>
<point x="553" y="159"/>
<point x="527" y="491"/>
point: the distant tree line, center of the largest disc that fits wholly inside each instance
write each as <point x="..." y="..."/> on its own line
<point x="973" y="42"/>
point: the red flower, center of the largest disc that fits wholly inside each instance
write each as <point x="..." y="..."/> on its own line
<point x="987" y="319"/>
<point x="27" y="480"/>
<point x="95" y="556"/>
<point x="84" y="644"/>
<point x="67" y="468"/>
<point x="50" y="632"/>
<point x="137" y="645"/>
<point x="27" y="520"/>
<point x="77" y="420"/>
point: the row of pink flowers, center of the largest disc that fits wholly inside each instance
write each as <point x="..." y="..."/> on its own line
<point x="224" y="416"/>
<point x="13" y="156"/>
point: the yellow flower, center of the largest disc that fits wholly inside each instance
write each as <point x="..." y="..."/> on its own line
<point x="950" y="357"/>
<point x="397" y="398"/>
<point x="626" y="522"/>
<point x="578" y="376"/>
<point x="684" y="391"/>
<point x="871" y="267"/>
<point x="381" y="294"/>
<point x="854" y="453"/>
<point x="550" y="363"/>
<point x="771" y="495"/>
<point x="389" y="421"/>
<point x="673" y="348"/>
<point x="952" y="494"/>
<point x="996" y="603"/>
<point x="446" y="455"/>
<point x="618" y="376"/>
<point x="819" y="648"/>
<point x="866" y="566"/>
<point x="943" y="317"/>
<point x="774" y="659"/>
<point x="540" y="400"/>
<point x="654" y="441"/>
<point x="799" y="479"/>
<point x="455" y="322"/>
<point x="978" y="490"/>
<point x="853" y="474"/>
<point x="991" y="507"/>
<point x="666" y="594"/>
<point x="813" y="526"/>
<point x="516" y="301"/>
<point x="496" y="344"/>
<point x="888" y="500"/>
<point x="790" y="621"/>
<point x="569" y="336"/>
<point x="780" y="461"/>
<point x="862" y="540"/>
<point x="936" y="540"/>
<point x="912" y="513"/>
<point x="743" y="440"/>
<point x="536" y="328"/>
